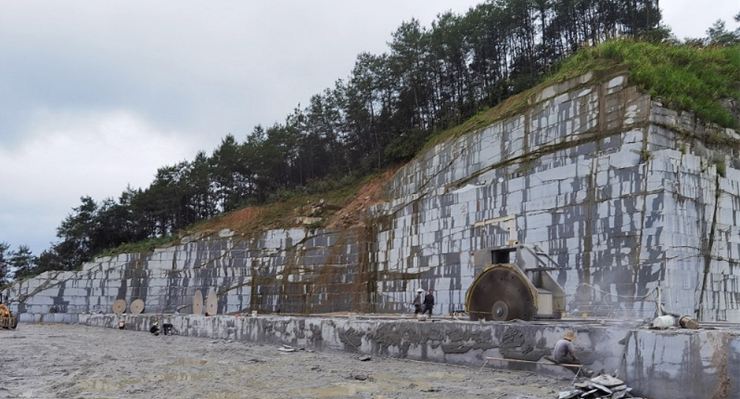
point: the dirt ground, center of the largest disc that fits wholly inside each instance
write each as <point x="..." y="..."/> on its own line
<point x="68" y="361"/>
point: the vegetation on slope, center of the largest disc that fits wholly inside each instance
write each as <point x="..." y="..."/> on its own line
<point x="685" y="77"/>
<point x="291" y="209"/>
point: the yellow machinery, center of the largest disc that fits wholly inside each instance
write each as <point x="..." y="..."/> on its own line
<point x="518" y="288"/>
<point x="7" y="320"/>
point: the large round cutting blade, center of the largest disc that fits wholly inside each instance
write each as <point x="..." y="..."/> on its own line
<point x="119" y="306"/>
<point x="500" y="293"/>
<point x="137" y="306"/>
<point x="198" y="302"/>
<point x="211" y="303"/>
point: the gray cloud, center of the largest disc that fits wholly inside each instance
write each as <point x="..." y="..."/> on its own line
<point x="691" y="18"/>
<point x="70" y="155"/>
<point x="202" y="68"/>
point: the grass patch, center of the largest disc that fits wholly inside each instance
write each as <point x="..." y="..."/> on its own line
<point x="683" y="77"/>
<point x="139" y="247"/>
<point x="644" y="155"/>
<point x="721" y="167"/>
<point x="509" y="107"/>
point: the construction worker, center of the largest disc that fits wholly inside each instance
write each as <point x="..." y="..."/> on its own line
<point x="429" y="303"/>
<point x="154" y="329"/>
<point x="564" y="352"/>
<point x="417" y="301"/>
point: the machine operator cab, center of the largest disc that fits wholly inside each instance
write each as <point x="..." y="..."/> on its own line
<point x="514" y="283"/>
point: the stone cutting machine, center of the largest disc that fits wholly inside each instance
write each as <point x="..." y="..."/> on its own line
<point x="514" y="283"/>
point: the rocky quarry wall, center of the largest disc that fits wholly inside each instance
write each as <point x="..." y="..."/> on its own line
<point x="624" y="195"/>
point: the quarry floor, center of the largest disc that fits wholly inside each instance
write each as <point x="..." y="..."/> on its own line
<point x="72" y="361"/>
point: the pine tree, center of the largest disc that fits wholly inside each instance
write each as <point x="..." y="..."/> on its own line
<point x="4" y="266"/>
<point x="22" y="262"/>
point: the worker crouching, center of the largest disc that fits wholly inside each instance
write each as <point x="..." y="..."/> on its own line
<point x="154" y="329"/>
<point x="564" y="354"/>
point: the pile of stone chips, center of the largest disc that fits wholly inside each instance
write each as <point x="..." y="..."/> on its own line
<point x="603" y="386"/>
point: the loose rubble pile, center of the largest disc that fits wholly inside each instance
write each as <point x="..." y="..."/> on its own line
<point x="603" y="386"/>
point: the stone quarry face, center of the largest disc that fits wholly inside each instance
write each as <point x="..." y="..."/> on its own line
<point x="623" y="194"/>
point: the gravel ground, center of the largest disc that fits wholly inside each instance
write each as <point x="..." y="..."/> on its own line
<point x="69" y="361"/>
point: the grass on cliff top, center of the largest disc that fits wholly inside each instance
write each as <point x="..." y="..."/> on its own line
<point x="683" y="77"/>
<point x="139" y="246"/>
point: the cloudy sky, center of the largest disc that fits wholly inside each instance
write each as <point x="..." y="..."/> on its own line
<point x="96" y="95"/>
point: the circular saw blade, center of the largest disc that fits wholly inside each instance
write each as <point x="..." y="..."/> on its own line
<point x="119" y="306"/>
<point x="211" y="303"/>
<point x="198" y="302"/>
<point x="500" y="293"/>
<point x="137" y="306"/>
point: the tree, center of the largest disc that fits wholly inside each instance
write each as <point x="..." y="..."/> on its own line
<point x="366" y="100"/>
<point x="231" y="174"/>
<point x="4" y="266"/>
<point x="22" y="261"/>
<point x="77" y="233"/>
<point x="49" y="260"/>
<point x="719" y="35"/>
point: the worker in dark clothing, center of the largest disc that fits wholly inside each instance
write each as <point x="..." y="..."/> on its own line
<point x="565" y="354"/>
<point x="154" y="329"/>
<point x="429" y="303"/>
<point x="417" y="301"/>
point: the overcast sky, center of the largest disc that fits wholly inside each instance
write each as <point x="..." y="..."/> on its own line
<point x="96" y="95"/>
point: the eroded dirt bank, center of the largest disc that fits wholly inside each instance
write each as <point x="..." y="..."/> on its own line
<point x="69" y="361"/>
